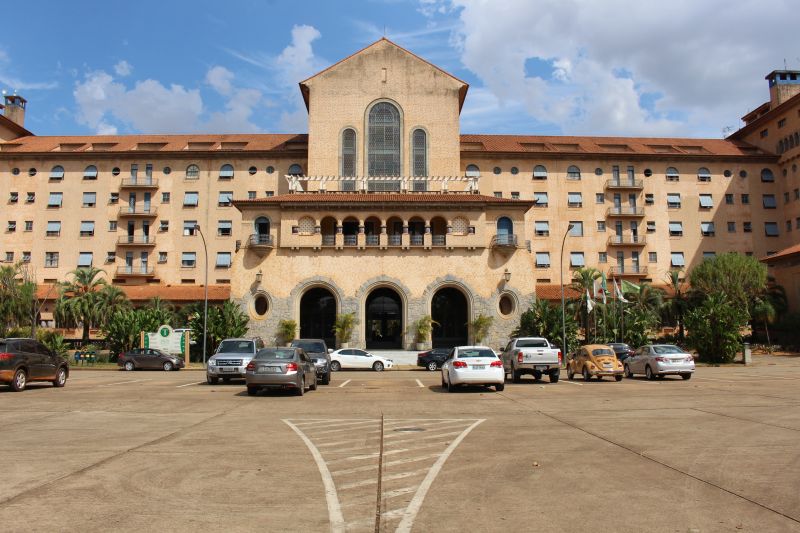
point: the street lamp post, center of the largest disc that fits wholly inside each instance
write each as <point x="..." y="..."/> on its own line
<point x="205" y="294"/>
<point x="563" y="310"/>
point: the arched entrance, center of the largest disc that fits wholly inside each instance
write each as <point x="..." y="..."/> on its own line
<point x="450" y="310"/>
<point x="384" y="319"/>
<point x="317" y="315"/>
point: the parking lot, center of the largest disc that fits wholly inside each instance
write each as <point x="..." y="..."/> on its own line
<point x="155" y="451"/>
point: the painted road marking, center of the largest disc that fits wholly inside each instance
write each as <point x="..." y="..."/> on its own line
<point x="190" y="384"/>
<point x="123" y="382"/>
<point x="409" y="466"/>
<point x="570" y="382"/>
<point x="421" y="386"/>
<point x="345" y="383"/>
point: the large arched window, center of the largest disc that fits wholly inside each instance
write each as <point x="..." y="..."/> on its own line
<point x="383" y="152"/>
<point x="349" y="153"/>
<point x="419" y="153"/>
<point x="261" y="226"/>
<point x="473" y="171"/>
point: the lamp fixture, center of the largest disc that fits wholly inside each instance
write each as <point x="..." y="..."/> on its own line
<point x="259" y="276"/>
<point x="507" y="275"/>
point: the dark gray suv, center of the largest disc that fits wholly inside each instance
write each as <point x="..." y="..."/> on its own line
<point x="318" y="351"/>
<point x="26" y="360"/>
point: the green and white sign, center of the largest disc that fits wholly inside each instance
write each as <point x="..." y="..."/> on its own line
<point x="167" y="340"/>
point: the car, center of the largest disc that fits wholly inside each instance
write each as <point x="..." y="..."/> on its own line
<point x="280" y="368"/>
<point x="594" y="360"/>
<point x="659" y="360"/>
<point x="355" y="358"/>
<point x="149" y="358"/>
<point x="231" y="359"/>
<point x="433" y="359"/>
<point x="23" y="361"/>
<point x="621" y="350"/>
<point x="319" y="352"/>
<point x="531" y="355"/>
<point x="473" y="365"/>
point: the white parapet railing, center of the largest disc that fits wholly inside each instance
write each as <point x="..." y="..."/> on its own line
<point x="399" y="184"/>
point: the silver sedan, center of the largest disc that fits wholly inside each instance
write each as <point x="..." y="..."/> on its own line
<point x="281" y="368"/>
<point x="659" y="360"/>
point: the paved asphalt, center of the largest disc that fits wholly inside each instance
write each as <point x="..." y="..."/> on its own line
<point x="151" y="451"/>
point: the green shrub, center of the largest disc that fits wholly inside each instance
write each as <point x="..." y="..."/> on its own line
<point x="714" y="329"/>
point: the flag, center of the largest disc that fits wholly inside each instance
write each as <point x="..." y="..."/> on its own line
<point x="589" y="302"/>
<point x="627" y="286"/>
<point x="618" y="293"/>
<point x="603" y="285"/>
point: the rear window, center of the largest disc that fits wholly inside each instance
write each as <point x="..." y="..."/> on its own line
<point x="532" y="343"/>
<point x="602" y="351"/>
<point x="236" y="347"/>
<point x="661" y="350"/>
<point x="475" y="352"/>
<point x="275" y="353"/>
<point x="2" y="346"/>
<point x="310" y="346"/>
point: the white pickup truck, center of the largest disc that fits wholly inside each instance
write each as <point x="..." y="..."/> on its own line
<point x="531" y="355"/>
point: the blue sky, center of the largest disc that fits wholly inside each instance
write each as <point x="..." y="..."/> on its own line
<point x="534" y="66"/>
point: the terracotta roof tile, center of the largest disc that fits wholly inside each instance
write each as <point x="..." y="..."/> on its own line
<point x="786" y="253"/>
<point x="171" y="293"/>
<point x="381" y="198"/>
<point x="551" y="292"/>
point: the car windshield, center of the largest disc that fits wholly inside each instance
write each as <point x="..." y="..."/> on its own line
<point x="531" y="343"/>
<point x="602" y="351"/>
<point x="235" y="347"/>
<point x="667" y="349"/>
<point x="275" y="353"/>
<point x="310" y="346"/>
<point x="475" y="352"/>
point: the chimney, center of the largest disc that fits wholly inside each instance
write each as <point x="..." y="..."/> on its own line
<point x="15" y="109"/>
<point x="783" y="85"/>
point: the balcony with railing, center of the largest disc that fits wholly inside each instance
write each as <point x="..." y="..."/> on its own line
<point x="138" y="211"/>
<point x="373" y="240"/>
<point x="136" y="240"/>
<point x="417" y="240"/>
<point x="625" y="211"/>
<point x="139" y="183"/>
<point x="260" y="241"/>
<point x="628" y="270"/>
<point x="504" y="241"/>
<point x="350" y="240"/>
<point x="135" y="271"/>
<point x="439" y="240"/>
<point x="625" y="184"/>
<point x="395" y="240"/>
<point x="627" y="240"/>
<point x="329" y="240"/>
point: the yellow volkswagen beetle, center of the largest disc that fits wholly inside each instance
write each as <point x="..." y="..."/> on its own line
<point x="594" y="360"/>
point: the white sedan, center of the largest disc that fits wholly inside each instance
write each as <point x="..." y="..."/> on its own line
<point x="473" y="365"/>
<point x="355" y="358"/>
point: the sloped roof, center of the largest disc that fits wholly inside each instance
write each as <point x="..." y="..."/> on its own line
<point x="6" y="122"/>
<point x="786" y="253"/>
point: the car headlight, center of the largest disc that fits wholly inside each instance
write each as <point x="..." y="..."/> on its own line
<point x="211" y="362"/>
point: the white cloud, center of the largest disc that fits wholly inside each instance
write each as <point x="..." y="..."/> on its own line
<point x="14" y="83"/>
<point x="219" y="78"/>
<point x="297" y="61"/>
<point x="123" y="68"/>
<point x="699" y="65"/>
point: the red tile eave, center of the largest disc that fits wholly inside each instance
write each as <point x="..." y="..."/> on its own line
<point x="13" y="126"/>
<point x="786" y="253"/>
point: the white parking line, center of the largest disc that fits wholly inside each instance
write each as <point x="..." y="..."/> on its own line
<point x="189" y="384"/>
<point x="421" y="386"/>
<point x="345" y="383"/>
<point x="367" y="482"/>
<point x="123" y="382"/>
<point x="571" y="382"/>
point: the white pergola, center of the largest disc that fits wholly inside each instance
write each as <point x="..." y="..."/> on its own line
<point x="362" y="183"/>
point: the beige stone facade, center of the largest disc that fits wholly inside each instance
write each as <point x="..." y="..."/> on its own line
<point x="385" y="194"/>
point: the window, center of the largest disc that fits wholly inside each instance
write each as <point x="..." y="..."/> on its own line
<point x="162" y="257"/>
<point x="709" y="255"/>
<point x="602" y="257"/>
<point x="111" y="257"/>
<point x="89" y="199"/>
<point x="677" y="259"/>
<point x="601" y="225"/>
<point x="576" y="259"/>
<point x="729" y="199"/>
<point x="191" y="199"/>
<point x="797" y="194"/>
<point x="383" y="151"/>
<point x="419" y="153"/>
<point x="223" y="260"/>
<point x="764" y="133"/>
<point x="460" y="226"/>
<point x="703" y="174"/>
<point x="649" y="199"/>
<point x="51" y="259"/>
<point x="767" y="175"/>
<point x="163" y="225"/>
<point x="672" y="174"/>
<point x="419" y="186"/>
<point x="573" y="173"/>
<point x="192" y="172"/>
<point x="473" y="171"/>
<point x="541" y="199"/>
<point x="57" y="173"/>
<point x="9" y="257"/>
<point x="55" y="199"/>
<point x="84" y="259"/>
<point x="188" y="259"/>
<point x="348" y="153"/>
<point x="26" y="257"/>
<point x="542" y="259"/>
<point x="165" y="197"/>
<point x="676" y="229"/>
<point x="651" y="226"/>
<point x="577" y="228"/>
<point x="53" y="228"/>
<point x="30" y="198"/>
<point x="514" y="195"/>
<point x="782" y="122"/>
<point x="12" y="226"/>
<point x="747" y="227"/>
<point x="226" y="172"/>
<point x="112" y="225"/>
<point x="251" y="195"/>
<point x="574" y="199"/>
<point x="224" y="228"/>
<point x="497" y="171"/>
<point x="90" y="173"/>
<point x="652" y="257"/>
<point x="786" y="197"/>
<point x="771" y="229"/>
<point x="674" y="200"/>
<point x="189" y="227"/>
<point x="539" y="172"/>
<point x="29" y="225"/>
<point x="788" y="226"/>
<point x="707" y="229"/>
<point x="745" y="199"/>
<point x="346" y="185"/>
<point x="542" y="228"/>
<point x="225" y="199"/>
<point x="269" y="194"/>
<point x="797" y="223"/>
<point x="768" y="201"/>
<point x="87" y="228"/>
<point x="599" y="198"/>
<point x="295" y="170"/>
<point x="113" y="198"/>
<point x="13" y="197"/>
<point x="731" y="227"/>
<point x="706" y="202"/>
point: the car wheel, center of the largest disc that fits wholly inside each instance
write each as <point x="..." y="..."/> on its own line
<point x="378" y="366"/>
<point x="554" y="375"/>
<point x="252" y="391"/>
<point x="211" y="381"/>
<point x="586" y="375"/>
<point x="129" y="366"/>
<point x="537" y="376"/>
<point x="499" y="387"/>
<point x="516" y="376"/>
<point x="432" y="366"/>
<point x="61" y="377"/>
<point x="648" y="372"/>
<point x="326" y="379"/>
<point x="313" y="382"/>
<point x="19" y="380"/>
<point x="302" y="389"/>
<point x="628" y="373"/>
<point x="167" y="366"/>
<point x="618" y="378"/>
<point x="336" y="366"/>
<point x="686" y="376"/>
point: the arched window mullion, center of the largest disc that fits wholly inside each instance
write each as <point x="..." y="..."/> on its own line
<point x="383" y="150"/>
<point x="348" y="153"/>
<point x="419" y="153"/>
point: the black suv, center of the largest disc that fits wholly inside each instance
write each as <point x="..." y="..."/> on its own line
<point x="27" y="360"/>
<point x="318" y="351"/>
<point x="433" y="359"/>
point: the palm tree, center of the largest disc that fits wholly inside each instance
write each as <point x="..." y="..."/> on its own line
<point x="648" y="298"/>
<point x="583" y="281"/>
<point x="80" y="301"/>
<point x="679" y="303"/>
<point x="764" y="311"/>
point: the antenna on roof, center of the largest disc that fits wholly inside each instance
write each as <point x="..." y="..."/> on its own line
<point x="726" y="130"/>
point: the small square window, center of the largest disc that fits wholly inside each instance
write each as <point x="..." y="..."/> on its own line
<point x="498" y="194"/>
<point x="747" y="227"/>
<point x="576" y="259"/>
<point x="224" y="228"/>
<point x="113" y="198"/>
<point x="764" y="133"/>
<point x="30" y="198"/>
<point x="577" y="228"/>
<point x="85" y="259"/>
<point x="12" y="226"/>
<point x="602" y="257"/>
<point x="223" y="260"/>
<point x="269" y="193"/>
<point x="165" y="197"/>
<point x="677" y="259"/>
<point x="87" y="228"/>
<point x="542" y="259"/>
<point x="55" y="199"/>
<point x="188" y="259"/>
<point x="768" y="201"/>
<point x="514" y="195"/>
<point x="163" y="226"/>
<point x="112" y="225"/>
<point x="26" y="257"/>
<point x="599" y="198"/>
<point x="13" y="197"/>
<point x="706" y="201"/>
<point x="225" y="199"/>
<point x="29" y="225"/>
<point x="649" y="199"/>
<point x="574" y="199"/>
<point x="674" y="200"/>
<point x="89" y="199"/>
<point x="162" y="257"/>
<point x="189" y="227"/>
<point x="9" y="257"/>
<point x="601" y="225"/>
<point x="788" y="226"/>
<point x="731" y="227"/>
<point x="251" y="195"/>
<point x="651" y="226"/>
<point x="652" y="257"/>
<point x="786" y="197"/>
<point x="729" y="199"/>
<point x="771" y="229"/>
<point x="111" y="257"/>
<point x="542" y="228"/>
<point x="191" y="199"/>
<point x="51" y="259"/>
<point x="745" y="199"/>
<point x="676" y="229"/>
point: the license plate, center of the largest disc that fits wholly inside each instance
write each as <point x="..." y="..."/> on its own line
<point x="229" y="369"/>
<point x="478" y="367"/>
<point x="270" y="369"/>
<point x="540" y="367"/>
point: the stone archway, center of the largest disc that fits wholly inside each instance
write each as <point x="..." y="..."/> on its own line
<point x="317" y="315"/>
<point x="450" y="311"/>
<point x="384" y="319"/>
